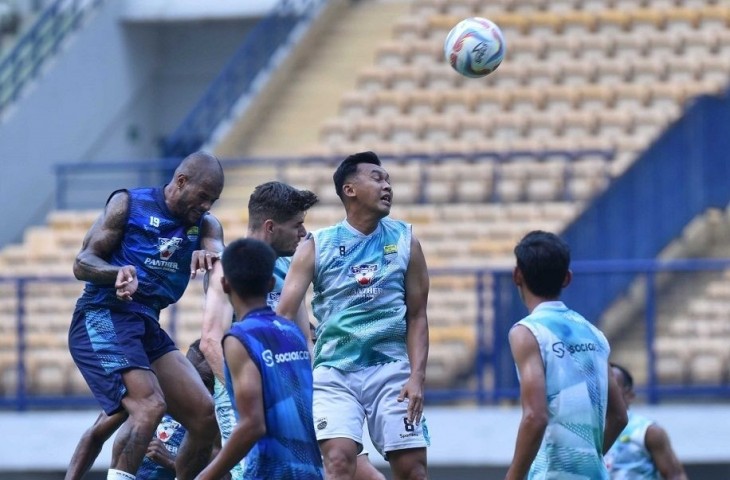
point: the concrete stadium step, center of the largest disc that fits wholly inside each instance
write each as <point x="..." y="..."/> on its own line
<point x="312" y="89"/>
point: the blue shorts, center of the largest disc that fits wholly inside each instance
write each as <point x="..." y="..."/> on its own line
<point x="105" y="343"/>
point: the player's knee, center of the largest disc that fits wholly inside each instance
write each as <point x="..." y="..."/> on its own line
<point x="204" y="425"/>
<point x="409" y="465"/>
<point x="337" y="461"/>
<point x="150" y="408"/>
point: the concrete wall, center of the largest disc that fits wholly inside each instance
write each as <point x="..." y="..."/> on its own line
<point x="114" y="90"/>
<point x="471" y="441"/>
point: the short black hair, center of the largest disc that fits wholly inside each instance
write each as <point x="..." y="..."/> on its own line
<point x="544" y="260"/>
<point x="277" y="201"/>
<point x="248" y="265"/>
<point x="349" y="166"/>
<point x="628" y="378"/>
<point x="198" y="360"/>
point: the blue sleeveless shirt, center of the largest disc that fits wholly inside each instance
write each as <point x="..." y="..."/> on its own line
<point x="289" y="447"/>
<point x="160" y="246"/>
<point x="171" y="433"/>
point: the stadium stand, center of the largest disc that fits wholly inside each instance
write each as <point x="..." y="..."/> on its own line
<point x="598" y="80"/>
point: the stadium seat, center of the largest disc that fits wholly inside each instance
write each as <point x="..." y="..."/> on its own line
<point x="681" y="20"/>
<point x="373" y="78"/>
<point x="356" y="104"/>
<point x="715" y="17"/>
<point x="411" y="29"/>
<point x="613" y="21"/>
<point x="671" y="358"/>
<point x="707" y="366"/>
<point x="456" y="102"/>
<point x="646" y="20"/>
<point x="491" y="101"/>
<point x="578" y="22"/>
<point x="410" y="77"/>
<point x="436" y="129"/>
<point x="526" y="49"/>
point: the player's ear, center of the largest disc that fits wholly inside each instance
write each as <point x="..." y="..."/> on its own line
<point x="348" y="190"/>
<point x="180" y="181"/>
<point x="517" y="276"/>
<point x="226" y="286"/>
<point x="268" y="226"/>
<point x="568" y="278"/>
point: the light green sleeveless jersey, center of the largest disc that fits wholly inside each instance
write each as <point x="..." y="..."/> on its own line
<point x="575" y="356"/>
<point x="359" y="295"/>
<point x="281" y="268"/>
<point x="628" y="458"/>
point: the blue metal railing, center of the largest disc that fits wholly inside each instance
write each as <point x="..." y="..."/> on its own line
<point x="258" y="54"/>
<point x="23" y="63"/>
<point x="81" y="185"/>
<point x="492" y="370"/>
<point x="600" y="272"/>
<point x="677" y="178"/>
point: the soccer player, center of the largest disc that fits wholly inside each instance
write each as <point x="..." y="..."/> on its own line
<point x="364" y="470"/>
<point x="159" y="461"/>
<point x="268" y="376"/>
<point x="276" y="214"/>
<point x="572" y="409"/>
<point x="642" y="450"/>
<point x="370" y="292"/>
<point x="137" y="259"/>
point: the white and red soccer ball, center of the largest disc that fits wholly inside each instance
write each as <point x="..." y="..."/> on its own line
<point x="475" y="47"/>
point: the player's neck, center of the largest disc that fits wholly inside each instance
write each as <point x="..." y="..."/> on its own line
<point x="532" y="301"/>
<point x="365" y="223"/>
<point x="244" y="306"/>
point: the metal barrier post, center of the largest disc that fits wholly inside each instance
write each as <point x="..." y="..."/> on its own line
<point x="650" y="336"/>
<point x="22" y="402"/>
<point x="481" y="344"/>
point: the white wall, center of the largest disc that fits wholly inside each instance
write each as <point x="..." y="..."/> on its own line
<point x="460" y="436"/>
<point x="112" y="93"/>
<point x="181" y="10"/>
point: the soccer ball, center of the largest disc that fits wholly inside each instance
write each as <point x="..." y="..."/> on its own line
<point x="474" y="47"/>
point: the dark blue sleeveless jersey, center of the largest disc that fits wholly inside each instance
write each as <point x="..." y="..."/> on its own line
<point x="171" y="433"/>
<point x="289" y="449"/>
<point x="160" y="246"/>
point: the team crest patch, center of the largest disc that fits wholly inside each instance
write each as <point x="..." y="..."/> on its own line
<point x="168" y="246"/>
<point x="364" y="273"/>
<point x="321" y="423"/>
<point x="388" y="249"/>
<point x="166" y="429"/>
<point x="193" y="232"/>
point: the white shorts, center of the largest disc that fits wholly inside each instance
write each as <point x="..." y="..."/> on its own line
<point x="343" y="400"/>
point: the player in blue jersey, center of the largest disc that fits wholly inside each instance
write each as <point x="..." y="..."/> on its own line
<point x="642" y="450"/>
<point x="276" y="214"/>
<point x="268" y="376"/>
<point x="159" y="461"/>
<point x="370" y="285"/>
<point x="572" y="409"/>
<point x="137" y="259"/>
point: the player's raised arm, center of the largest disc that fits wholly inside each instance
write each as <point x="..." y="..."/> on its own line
<point x="296" y="284"/>
<point x="211" y="244"/>
<point x="217" y="317"/>
<point x="251" y="423"/>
